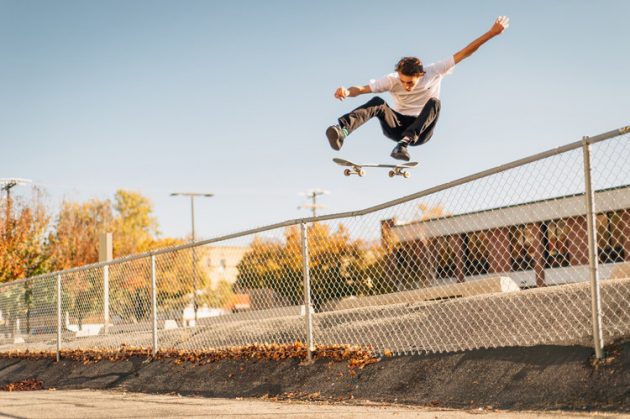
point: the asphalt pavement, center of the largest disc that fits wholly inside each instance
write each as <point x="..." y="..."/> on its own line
<point x="119" y="404"/>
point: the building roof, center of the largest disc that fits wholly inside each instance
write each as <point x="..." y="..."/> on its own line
<point x="562" y="207"/>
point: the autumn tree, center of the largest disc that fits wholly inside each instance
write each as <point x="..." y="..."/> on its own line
<point x="74" y="241"/>
<point x="178" y="279"/>
<point x="428" y="212"/>
<point x="135" y="229"/>
<point x="337" y="265"/>
<point x="406" y="264"/>
<point x="221" y="295"/>
<point x="13" y="306"/>
<point x="22" y="253"/>
<point x="82" y="294"/>
<point x="22" y="241"/>
<point x="264" y="267"/>
<point x="30" y="245"/>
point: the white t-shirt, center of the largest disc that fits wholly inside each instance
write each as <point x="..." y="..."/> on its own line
<point x="411" y="103"/>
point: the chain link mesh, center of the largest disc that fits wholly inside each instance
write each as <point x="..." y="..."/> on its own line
<point x="497" y="261"/>
<point x="467" y="267"/>
<point x="28" y="313"/>
<point x="611" y="171"/>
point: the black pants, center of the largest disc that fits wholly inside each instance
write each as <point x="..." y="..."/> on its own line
<point x="395" y="126"/>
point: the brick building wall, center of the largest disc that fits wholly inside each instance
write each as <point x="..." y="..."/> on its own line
<point x="499" y="247"/>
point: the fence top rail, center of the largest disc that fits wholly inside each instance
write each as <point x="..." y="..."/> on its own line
<point x="489" y="172"/>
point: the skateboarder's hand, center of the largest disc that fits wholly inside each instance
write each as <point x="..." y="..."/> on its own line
<point x="341" y="93"/>
<point x="500" y="25"/>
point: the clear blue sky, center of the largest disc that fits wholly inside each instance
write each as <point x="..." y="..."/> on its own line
<point x="234" y="97"/>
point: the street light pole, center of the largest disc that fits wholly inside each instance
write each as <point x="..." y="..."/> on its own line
<point x="192" y="196"/>
<point x="192" y="216"/>
<point x="194" y="255"/>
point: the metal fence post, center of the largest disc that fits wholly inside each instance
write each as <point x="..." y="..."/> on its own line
<point x="105" y="255"/>
<point x="308" y="315"/>
<point x="58" y="317"/>
<point x="154" y="305"/>
<point x="106" y="297"/>
<point x="596" y="301"/>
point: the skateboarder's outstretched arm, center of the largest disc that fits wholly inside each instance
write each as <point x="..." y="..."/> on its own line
<point x="497" y="28"/>
<point x="341" y="93"/>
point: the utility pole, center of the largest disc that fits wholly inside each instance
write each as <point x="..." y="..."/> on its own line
<point x="313" y="194"/>
<point x="192" y="196"/>
<point x="7" y="185"/>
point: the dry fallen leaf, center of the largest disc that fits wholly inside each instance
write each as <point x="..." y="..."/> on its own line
<point x="30" y="384"/>
<point x="356" y="357"/>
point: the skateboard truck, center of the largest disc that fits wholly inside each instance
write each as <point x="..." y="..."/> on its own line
<point x="356" y="170"/>
<point x="399" y="171"/>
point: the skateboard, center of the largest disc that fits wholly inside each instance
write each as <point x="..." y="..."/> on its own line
<point x="357" y="168"/>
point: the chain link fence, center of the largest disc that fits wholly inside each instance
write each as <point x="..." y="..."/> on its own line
<point x="533" y="252"/>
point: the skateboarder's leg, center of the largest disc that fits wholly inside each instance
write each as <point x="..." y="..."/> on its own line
<point x="421" y="130"/>
<point x="375" y="107"/>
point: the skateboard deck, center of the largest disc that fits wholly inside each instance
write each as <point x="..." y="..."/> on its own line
<point x="357" y="168"/>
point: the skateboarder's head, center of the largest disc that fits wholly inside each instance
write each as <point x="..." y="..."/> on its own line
<point x="410" y="71"/>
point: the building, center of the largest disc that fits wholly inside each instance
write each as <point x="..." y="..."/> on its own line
<point x="221" y="263"/>
<point x="536" y="244"/>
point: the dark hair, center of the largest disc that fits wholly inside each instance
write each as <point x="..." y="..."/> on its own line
<point x="410" y="66"/>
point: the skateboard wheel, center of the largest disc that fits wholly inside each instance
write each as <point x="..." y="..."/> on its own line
<point x="406" y="174"/>
<point x="361" y="172"/>
<point x="347" y="172"/>
<point x="392" y="173"/>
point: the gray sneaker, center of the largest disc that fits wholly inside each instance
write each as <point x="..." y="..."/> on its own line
<point x="335" y="135"/>
<point x="400" y="152"/>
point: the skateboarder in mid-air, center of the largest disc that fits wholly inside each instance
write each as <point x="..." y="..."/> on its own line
<point x="416" y="93"/>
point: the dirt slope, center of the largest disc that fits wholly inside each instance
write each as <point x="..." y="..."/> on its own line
<point x="540" y="377"/>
